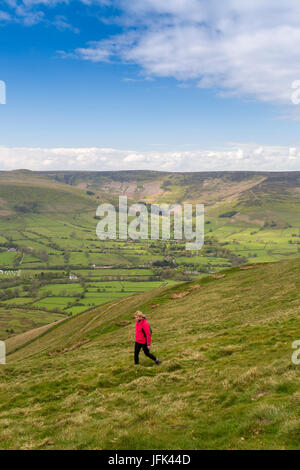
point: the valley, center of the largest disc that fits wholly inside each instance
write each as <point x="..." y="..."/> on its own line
<point x="52" y="265"/>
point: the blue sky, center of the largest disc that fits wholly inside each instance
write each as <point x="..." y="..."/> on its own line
<point x="177" y="85"/>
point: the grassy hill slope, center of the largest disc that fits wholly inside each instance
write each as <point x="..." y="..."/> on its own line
<point x="24" y="192"/>
<point x="227" y="380"/>
<point x="210" y="188"/>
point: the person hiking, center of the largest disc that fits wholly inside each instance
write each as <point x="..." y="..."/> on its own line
<point x="143" y="338"/>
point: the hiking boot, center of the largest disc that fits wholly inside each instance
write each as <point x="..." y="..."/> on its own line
<point x="158" y="362"/>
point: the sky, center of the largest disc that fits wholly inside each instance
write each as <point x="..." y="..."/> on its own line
<point x="174" y="85"/>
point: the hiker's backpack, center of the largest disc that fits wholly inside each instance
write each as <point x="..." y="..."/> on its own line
<point x="149" y="329"/>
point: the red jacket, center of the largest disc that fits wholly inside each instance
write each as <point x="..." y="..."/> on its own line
<point x="142" y="332"/>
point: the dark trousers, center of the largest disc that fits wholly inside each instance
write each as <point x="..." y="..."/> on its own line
<point x="138" y="347"/>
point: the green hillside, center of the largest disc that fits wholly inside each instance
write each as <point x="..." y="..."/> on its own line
<point x="210" y="188"/>
<point x="24" y="192"/>
<point x="226" y="382"/>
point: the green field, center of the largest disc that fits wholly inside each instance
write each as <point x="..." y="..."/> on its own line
<point x="62" y="299"/>
<point x="17" y="320"/>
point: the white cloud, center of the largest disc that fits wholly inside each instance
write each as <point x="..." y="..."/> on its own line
<point x="4" y="16"/>
<point x="30" y="13"/>
<point x="232" y="157"/>
<point x="246" y="48"/>
<point x="62" y="24"/>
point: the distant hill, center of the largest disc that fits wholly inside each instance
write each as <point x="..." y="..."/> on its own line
<point x="254" y="196"/>
<point x="254" y="214"/>
<point x="23" y="192"/>
<point x="251" y="197"/>
<point x="227" y="380"/>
